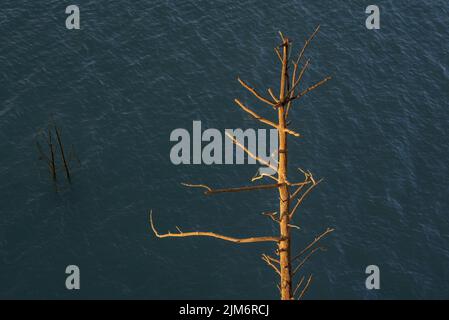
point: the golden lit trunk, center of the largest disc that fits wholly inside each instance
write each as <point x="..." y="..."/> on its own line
<point x="284" y="195"/>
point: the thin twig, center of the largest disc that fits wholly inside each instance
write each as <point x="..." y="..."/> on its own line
<point x="52" y="153"/>
<point x="295" y="68"/>
<point x="61" y="148"/>
<point x="313" y="87"/>
<point x="305" y="288"/>
<point x="282" y="36"/>
<point x="297" y="191"/>
<point x="272" y="216"/>
<point x="328" y="230"/>
<point x="306" y="44"/>
<point x="294" y="226"/>
<point x="298" y="285"/>
<point x="255" y="93"/>
<point x="299" y="266"/>
<point x="257" y="177"/>
<point x="296" y="82"/>
<point x="278" y="53"/>
<point x="303" y="196"/>
<point x="272" y="95"/>
<point x="268" y="261"/>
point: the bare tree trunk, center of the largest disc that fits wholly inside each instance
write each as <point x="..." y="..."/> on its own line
<point x="289" y="92"/>
<point x="284" y="194"/>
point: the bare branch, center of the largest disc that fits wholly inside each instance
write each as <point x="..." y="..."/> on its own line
<point x="255" y="115"/>
<point x="272" y="216"/>
<point x="262" y="161"/>
<point x="316" y="85"/>
<point x="297" y="191"/>
<point x="211" y="235"/>
<point x="197" y="186"/>
<point x="328" y="230"/>
<point x="272" y="259"/>
<point x="272" y="95"/>
<point x="294" y="184"/>
<point x="210" y="191"/>
<point x="282" y="36"/>
<point x="306" y="258"/>
<point x="255" y="93"/>
<point x="303" y="93"/>
<point x="294" y="226"/>
<point x="278" y="53"/>
<point x="293" y="133"/>
<point x="260" y="176"/>
<point x="262" y="119"/>
<point x="305" y="288"/>
<point x="303" y="196"/>
<point x="308" y="178"/>
<point x="295" y="68"/>
<point x="247" y="188"/>
<point x="298" y="286"/>
<point x="291" y="96"/>
<point x="306" y="44"/>
<point x="269" y="260"/>
<point x="296" y="82"/>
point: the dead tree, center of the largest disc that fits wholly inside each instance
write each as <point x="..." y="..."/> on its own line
<point x="49" y="154"/>
<point x="291" y="194"/>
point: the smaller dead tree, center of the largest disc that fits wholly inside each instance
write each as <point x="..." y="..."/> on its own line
<point x="291" y="194"/>
<point x="49" y="149"/>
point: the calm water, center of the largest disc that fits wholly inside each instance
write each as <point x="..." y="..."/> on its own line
<point x="378" y="133"/>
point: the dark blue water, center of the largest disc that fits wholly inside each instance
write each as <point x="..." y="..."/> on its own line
<point x="377" y="133"/>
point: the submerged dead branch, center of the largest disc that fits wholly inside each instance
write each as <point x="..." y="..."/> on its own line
<point x="61" y="148"/>
<point x="50" y="154"/>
